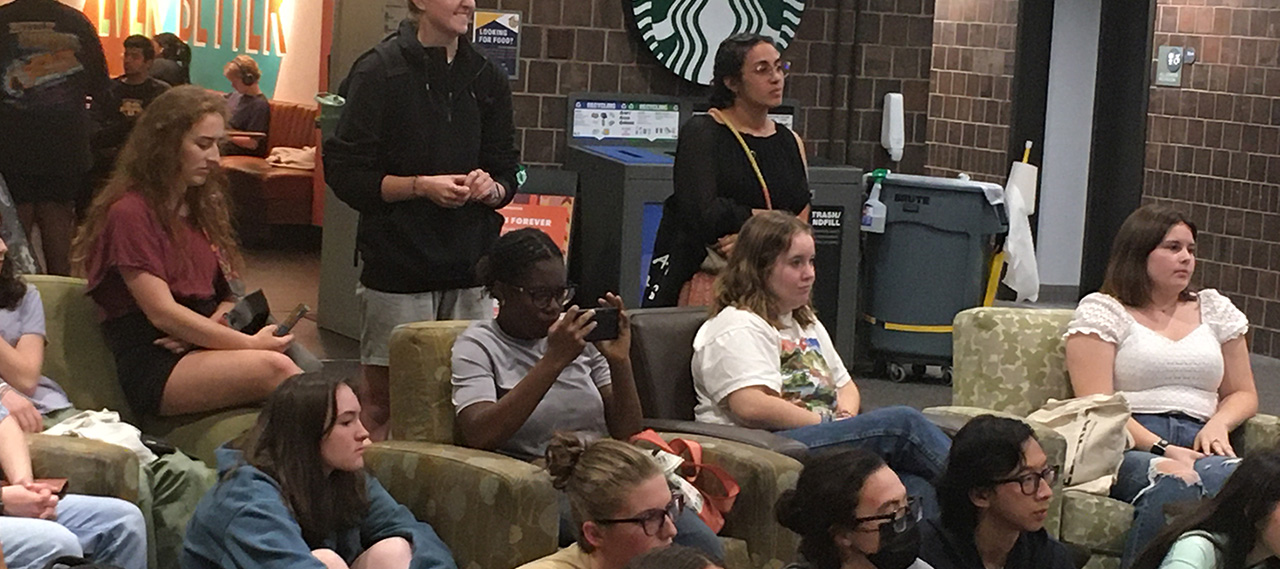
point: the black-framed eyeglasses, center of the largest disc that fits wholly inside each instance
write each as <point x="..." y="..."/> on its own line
<point x="902" y="518"/>
<point x="546" y="297"/>
<point x="1030" y="482"/>
<point x="782" y="68"/>
<point x="651" y="520"/>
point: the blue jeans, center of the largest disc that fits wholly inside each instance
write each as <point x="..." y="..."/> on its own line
<point x="1149" y="492"/>
<point x="691" y="531"/>
<point x="912" y="446"/>
<point x="105" y="530"/>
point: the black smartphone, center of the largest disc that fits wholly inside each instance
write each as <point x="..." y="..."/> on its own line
<point x="606" y="320"/>
<point x="292" y="319"/>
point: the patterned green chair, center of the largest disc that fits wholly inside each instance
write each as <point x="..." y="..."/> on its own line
<point x="90" y="467"/>
<point x="1013" y="360"/>
<point x="422" y="411"/>
<point x="76" y="356"/>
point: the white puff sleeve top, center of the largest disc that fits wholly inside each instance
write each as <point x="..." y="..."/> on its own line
<point x="1157" y="374"/>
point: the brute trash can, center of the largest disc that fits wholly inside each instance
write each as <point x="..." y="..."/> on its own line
<point x="932" y="261"/>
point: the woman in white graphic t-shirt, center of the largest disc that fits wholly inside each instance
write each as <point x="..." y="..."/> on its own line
<point x="765" y="361"/>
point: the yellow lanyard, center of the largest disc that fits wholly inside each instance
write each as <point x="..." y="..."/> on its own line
<point x="751" y="156"/>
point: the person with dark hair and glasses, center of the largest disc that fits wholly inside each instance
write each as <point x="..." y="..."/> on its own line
<point x="1180" y="358"/>
<point x="530" y="373"/>
<point x="619" y="502"/>
<point x="730" y="164"/>
<point x="995" y="498"/>
<point x="852" y="512"/>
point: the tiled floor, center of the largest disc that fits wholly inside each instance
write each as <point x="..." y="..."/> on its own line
<point x="291" y="274"/>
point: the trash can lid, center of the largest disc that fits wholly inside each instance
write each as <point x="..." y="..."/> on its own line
<point x="993" y="192"/>
<point x="330" y="99"/>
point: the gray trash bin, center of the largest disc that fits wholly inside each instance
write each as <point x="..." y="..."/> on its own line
<point x="330" y="111"/>
<point x="932" y="261"/>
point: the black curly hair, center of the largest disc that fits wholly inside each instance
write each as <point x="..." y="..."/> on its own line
<point x="826" y="496"/>
<point x="513" y="255"/>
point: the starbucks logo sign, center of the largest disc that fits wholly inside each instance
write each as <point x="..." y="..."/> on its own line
<point x="684" y="34"/>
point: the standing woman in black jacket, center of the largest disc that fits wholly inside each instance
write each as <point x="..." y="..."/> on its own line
<point x="425" y="151"/>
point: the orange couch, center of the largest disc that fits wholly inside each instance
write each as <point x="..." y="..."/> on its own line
<point x="266" y="195"/>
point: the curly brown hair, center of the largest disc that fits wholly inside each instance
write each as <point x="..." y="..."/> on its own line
<point x="151" y="163"/>
<point x="744" y="282"/>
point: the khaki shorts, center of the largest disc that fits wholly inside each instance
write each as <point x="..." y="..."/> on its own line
<point x="380" y="312"/>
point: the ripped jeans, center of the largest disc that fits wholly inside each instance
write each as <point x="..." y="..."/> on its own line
<point x="1139" y="484"/>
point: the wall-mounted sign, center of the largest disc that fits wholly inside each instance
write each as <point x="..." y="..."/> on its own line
<point x="497" y="36"/>
<point x="280" y="35"/>
<point x="684" y="34"/>
<point x="1169" y="66"/>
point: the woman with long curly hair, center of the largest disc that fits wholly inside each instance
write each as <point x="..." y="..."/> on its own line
<point x="153" y="247"/>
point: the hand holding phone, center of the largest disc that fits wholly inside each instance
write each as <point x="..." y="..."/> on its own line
<point x="292" y="319"/>
<point x="606" y="319"/>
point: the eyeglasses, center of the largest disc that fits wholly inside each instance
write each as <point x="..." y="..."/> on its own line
<point x="782" y="68"/>
<point x="902" y="518"/>
<point x="546" y="297"/>
<point x="651" y="520"/>
<point x="1030" y="482"/>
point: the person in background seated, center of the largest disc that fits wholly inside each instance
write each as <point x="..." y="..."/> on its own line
<point x="673" y="557"/>
<point x="130" y="94"/>
<point x="1179" y="358"/>
<point x="995" y="497"/>
<point x="174" y="64"/>
<point x="621" y="503"/>
<point x="249" y="109"/>
<point x="169" y="486"/>
<point x="529" y="373"/>
<point x="38" y="527"/>
<point x="852" y="512"/>
<point x="299" y="497"/>
<point x="153" y="248"/>
<point x="1239" y="527"/>
<point x="765" y="361"/>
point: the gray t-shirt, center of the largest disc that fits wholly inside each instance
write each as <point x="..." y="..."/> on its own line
<point x="487" y="363"/>
<point x="28" y="318"/>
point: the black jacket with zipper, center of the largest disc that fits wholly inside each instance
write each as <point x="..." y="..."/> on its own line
<point x="409" y="112"/>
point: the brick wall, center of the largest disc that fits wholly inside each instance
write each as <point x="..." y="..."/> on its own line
<point x="969" y="99"/>
<point x="1214" y="149"/>
<point x="578" y="45"/>
<point x="894" y="45"/>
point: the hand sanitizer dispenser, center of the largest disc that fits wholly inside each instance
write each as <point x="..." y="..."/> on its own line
<point x="892" y="132"/>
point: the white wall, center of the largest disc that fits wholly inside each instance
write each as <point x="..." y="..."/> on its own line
<point x="1064" y="176"/>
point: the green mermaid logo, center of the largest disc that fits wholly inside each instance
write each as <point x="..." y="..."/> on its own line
<point x="684" y="34"/>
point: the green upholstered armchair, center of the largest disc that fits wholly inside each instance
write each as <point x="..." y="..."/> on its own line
<point x="90" y="467"/>
<point x="1013" y="360"/>
<point x="76" y="356"/>
<point x="422" y="410"/>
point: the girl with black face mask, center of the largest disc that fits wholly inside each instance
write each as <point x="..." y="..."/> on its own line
<point x="852" y="512"/>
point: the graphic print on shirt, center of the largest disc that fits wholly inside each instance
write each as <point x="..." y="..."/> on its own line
<point x="47" y="59"/>
<point x="806" y="378"/>
<point x="131" y="108"/>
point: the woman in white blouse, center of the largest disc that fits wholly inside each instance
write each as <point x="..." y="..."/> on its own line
<point x="1178" y="356"/>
